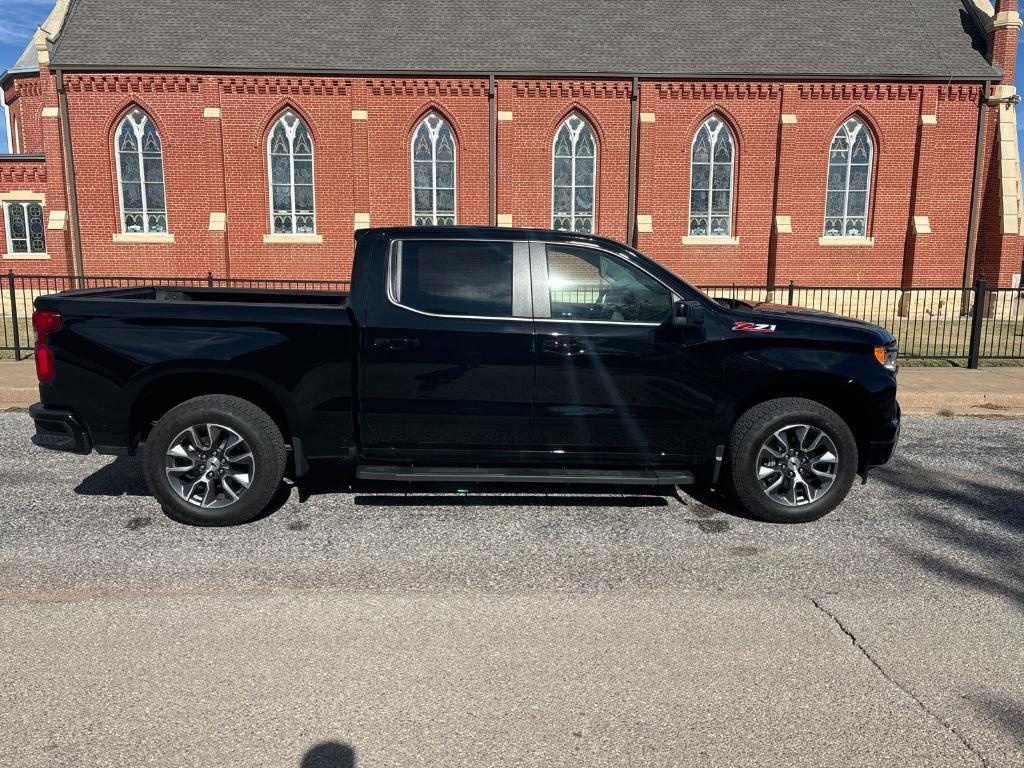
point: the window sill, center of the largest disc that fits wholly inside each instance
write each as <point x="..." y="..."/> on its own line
<point x="299" y="239"/>
<point x="710" y="240"/>
<point x="847" y="242"/>
<point x="143" y="237"/>
<point x="27" y="256"/>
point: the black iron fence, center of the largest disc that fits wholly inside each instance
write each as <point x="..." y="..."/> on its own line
<point x="949" y="324"/>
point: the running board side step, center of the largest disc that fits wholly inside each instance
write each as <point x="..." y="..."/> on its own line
<point x="411" y="474"/>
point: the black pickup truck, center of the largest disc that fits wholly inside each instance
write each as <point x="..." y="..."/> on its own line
<point x="468" y="355"/>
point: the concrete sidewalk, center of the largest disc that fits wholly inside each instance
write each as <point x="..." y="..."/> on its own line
<point x="984" y="392"/>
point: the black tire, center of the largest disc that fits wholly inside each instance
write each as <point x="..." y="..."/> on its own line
<point x="756" y="426"/>
<point x="250" y="422"/>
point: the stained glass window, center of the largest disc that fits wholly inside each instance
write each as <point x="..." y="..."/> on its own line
<point x="140" y="174"/>
<point x="290" y="167"/>
<point x="849" y="179"/>
<point x="712" y="156"/>
<point x="573" y="176"/>
<point x="433" y="172"/>
<point x="25" y="230"/>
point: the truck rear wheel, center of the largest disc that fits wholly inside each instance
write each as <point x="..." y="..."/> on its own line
<point x="214" y="460"/>
<point x="792" y="460"/>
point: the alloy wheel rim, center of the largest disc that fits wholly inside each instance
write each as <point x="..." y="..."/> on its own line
<point x="210" y="466"/>
<point x="797" y="465"/>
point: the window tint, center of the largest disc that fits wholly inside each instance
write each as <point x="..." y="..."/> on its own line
<point x="586" y="284"/>
<point x="454" y="278"/>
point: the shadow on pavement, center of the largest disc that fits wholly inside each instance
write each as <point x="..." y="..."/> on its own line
<point x="123" y="477"/>
<point x="329" y="754"/>
<point x="965" y="516"/>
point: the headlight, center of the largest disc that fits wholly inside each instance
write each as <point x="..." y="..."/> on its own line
<point x="886" y="356"/>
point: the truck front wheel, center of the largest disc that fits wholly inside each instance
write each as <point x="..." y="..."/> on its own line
<point x="214" y="460"/>
<point x="792" y="460"/>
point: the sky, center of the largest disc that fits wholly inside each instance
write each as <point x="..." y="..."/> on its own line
<point x="20" y="18"/>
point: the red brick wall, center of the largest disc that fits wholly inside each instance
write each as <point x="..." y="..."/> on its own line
<point x="362" y="166"/>
<point x="751" y="111"/>
<point x="525" y="143"/>
<point x="24" y="97"/>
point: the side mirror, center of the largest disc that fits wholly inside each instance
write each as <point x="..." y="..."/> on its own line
<point x="687" y="314"/>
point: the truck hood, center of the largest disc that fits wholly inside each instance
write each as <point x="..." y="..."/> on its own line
<point x="766" y="312"/>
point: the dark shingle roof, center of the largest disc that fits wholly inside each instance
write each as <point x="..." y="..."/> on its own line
<point x="899" y="39"/>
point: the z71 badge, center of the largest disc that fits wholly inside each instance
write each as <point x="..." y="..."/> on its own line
<point x="753" y="327"/>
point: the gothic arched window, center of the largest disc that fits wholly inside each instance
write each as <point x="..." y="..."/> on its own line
<point x="712" y="157"/>
<point x="433" y="172"/>
<point x="140" y="174"/>
<point x="573" y="176"/>
<point x="290" y="159"/>
<point x="849" y="180"/>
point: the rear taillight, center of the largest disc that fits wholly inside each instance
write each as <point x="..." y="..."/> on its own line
<point x="45" y="322"/>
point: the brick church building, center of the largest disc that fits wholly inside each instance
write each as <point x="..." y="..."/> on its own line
<point x="757" y="141"/>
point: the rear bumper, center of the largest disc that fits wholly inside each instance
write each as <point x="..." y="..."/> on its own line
<point x="59" y="430"/>
<point x="883" y="444"/>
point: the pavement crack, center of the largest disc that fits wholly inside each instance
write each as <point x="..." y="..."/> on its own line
<point x="930" y="713"/>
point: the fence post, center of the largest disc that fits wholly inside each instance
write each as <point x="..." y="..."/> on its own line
<point x="14" y="314"/>
<point x="209" y="279"/>
<point x="976" y="318"/>
<point x="791" y="293"/>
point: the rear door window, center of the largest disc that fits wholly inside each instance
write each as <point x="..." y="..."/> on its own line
<point x="453" y="277"/>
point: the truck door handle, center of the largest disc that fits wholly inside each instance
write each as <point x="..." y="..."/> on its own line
<point x="565" y="347"/>
<point x="396" y="343"/>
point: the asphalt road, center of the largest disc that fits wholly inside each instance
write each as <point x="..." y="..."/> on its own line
<point x="361" y="627"/>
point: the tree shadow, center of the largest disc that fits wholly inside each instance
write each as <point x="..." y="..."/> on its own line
<point x="964" y="516"/>
<point x="329" y="754"/>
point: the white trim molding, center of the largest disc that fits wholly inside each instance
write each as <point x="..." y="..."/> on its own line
<point x="784" y="225"/>
<point x="146" y="238"/>
<point x="644" y="222"/>
<point x="504" y="219"/>
<point x="26" y="256"/>
<point x="702" y="240"/>
<point x="211" y="112"/>
<point x="929" y="119"/>
<point x="360" y="114"/>
<point x="361" y="221"/>
<point x="504" y="116"/>
<point x="302" y="238"/>
<point x="922" y="226"/>
<point x="23" y="196"/>
<point x="218" y="221"/>
<point x="648" y="117"/>
<point x="846" y="242"/>
<point x="788" y="118"/>
<point x="51" y="112"/>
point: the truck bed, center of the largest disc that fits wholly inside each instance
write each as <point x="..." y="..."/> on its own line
<point x="143" y="345"/>
<point x="213" y="295"/>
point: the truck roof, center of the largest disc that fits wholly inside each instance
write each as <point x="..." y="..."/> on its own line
<point x="485" y="233"/>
